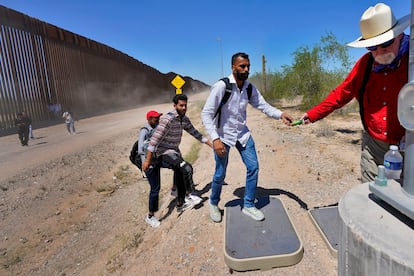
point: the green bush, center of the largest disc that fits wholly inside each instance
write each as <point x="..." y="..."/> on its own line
<point x="314" y="73"/>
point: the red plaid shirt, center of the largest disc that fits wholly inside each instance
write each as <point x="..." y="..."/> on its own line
<point x="167" y="135"/>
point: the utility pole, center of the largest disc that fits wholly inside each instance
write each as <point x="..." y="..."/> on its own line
<point x="221" y="56"/>
<point x="264" y="73"/>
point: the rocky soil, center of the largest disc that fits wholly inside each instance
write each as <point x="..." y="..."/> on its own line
<point x="74" y="205"/>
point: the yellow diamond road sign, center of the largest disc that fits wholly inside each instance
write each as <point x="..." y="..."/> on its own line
<point x="178" y="82"/>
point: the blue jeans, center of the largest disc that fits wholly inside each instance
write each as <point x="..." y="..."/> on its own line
<point x="249" y="157"/>
<point x="71" y="127"/>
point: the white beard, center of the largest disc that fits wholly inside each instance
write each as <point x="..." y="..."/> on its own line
<point x="385" y="58"/>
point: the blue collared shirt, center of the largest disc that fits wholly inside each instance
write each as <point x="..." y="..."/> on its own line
<point x="233" y="126"/>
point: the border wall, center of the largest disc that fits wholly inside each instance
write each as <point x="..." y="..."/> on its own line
<point x="45" y="69"/>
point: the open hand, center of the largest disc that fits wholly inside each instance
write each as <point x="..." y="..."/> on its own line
<point x="219" y="147"/>
<point x="286" y="118"/>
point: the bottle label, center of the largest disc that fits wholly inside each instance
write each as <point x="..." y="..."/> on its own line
<point x="392" y="165"/>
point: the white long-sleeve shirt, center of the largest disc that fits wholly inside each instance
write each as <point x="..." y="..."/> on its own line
<point x="233" y="126"/>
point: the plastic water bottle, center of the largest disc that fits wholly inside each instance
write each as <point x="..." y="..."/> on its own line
<point x="393" y="163"/>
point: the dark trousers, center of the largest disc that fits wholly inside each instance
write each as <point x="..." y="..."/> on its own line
<point x="183" y="174"/>
<point x="183" y="178"/>
<point x="24" y="136"/>
<point x="154" y="179"/>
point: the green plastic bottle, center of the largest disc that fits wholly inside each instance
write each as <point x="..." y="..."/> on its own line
<point x="297" y="122"/>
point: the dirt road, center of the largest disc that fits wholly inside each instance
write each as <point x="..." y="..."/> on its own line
<point x="73" y="205"/>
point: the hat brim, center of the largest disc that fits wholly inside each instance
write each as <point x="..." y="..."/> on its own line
<point x="155" y="116"/>
<point x="403" y="23"/>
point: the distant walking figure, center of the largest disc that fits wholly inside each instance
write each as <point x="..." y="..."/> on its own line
<point x="29" y="120"/>
<point x="69" y="121"/>
<point x="22" y="125"/>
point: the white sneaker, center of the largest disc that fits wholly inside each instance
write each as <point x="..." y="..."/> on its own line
<point x="194" y="198"/>
<point x="186" y="205"/>
<point x="253" y="212"/>
<point x="215" y="213"/>
<point x="153" y="221"/>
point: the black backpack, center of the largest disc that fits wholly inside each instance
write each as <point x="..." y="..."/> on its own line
<point x="226" y="97"/>
<point x="134" y="157"/>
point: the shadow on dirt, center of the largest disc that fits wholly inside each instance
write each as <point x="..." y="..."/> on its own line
<point x="262" y="192"/>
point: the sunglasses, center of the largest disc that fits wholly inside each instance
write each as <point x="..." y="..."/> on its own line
<point x="383" y="45"/>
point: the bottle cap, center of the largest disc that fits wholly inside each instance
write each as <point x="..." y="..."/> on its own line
<point x="393" y="147"/>
<point x="380" y="179"/>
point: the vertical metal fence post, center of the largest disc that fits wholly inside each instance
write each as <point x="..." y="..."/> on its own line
<point x="408" y="182"/>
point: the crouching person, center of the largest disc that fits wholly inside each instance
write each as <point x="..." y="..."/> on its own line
<point x="164" y="145"/>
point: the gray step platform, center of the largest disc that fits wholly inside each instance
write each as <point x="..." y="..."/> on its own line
<point x="326" y="220"/>
<point x="252" y="245"/>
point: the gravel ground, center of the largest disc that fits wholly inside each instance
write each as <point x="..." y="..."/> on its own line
<point x="73" y="205"/>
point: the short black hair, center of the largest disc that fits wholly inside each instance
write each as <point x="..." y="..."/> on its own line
<point x="239" y="54"/>
<point x="180" y="97"/>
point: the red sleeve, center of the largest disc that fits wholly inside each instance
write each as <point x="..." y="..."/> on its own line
<point x="342" y="94"/>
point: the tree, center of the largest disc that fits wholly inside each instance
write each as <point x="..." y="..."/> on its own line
<point x="318" y="70"/>
<point x="314" y="72"/>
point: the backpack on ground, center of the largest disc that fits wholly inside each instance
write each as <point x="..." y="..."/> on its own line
<point x="134" y="157"/>
<point x="226" y="97"/>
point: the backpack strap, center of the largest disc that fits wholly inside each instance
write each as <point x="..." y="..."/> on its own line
<point x="148" y="131"/>
<point x="249" y="91"/>
<point x="224" y="100"/>
<point x="367" y="73"/>
<point x="226" y="97"/>
<point x="145" y="138"/>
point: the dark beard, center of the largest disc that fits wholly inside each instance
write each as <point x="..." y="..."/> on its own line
<point x="181" y="113"/>
<point x="242" y="76"/>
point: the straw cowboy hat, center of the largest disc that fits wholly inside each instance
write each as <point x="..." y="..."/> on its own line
<point x="378" y="25"/>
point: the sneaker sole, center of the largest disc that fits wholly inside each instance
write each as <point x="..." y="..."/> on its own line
<point x="182" y="209"/>
<point x="197" y="202"/>
<point x="252" y="216"/>
<point x="153" y="226"/>
<point x="215" y="220"/>
<point x="194" y="202"/>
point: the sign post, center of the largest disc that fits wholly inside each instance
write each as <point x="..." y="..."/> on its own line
<point x="178" y="82"/>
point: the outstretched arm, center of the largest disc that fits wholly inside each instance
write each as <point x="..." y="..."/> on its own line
<point x="209" y="143"/>
<point x="286" y="118"/>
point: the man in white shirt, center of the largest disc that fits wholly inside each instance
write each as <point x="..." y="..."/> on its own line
<point x="229" y="129"/>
